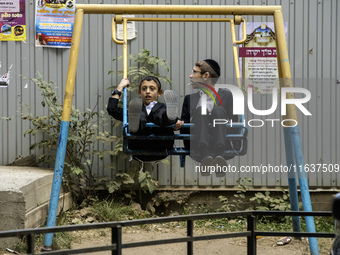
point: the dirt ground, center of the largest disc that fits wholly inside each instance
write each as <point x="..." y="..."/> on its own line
<point x="230" y="246"/>
<point x="233" y="246"/>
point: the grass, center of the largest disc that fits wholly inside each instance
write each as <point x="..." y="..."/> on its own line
<point x="61" y="241"/>
<point x="105" y="211"/>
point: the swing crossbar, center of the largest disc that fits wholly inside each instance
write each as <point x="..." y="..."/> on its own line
<point x="179" y="9"/>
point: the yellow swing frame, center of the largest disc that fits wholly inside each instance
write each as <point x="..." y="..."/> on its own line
<point x="291" y="130"/>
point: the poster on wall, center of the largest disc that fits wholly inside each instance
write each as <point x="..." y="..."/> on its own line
<point x="54" y="21"/>
<point x="131" y="29"/>
<point x="259" y="59"/>
<point x="12" y="20"/>
<point x="5" y="78"/>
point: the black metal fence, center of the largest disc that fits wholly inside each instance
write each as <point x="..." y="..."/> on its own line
<point x="116" y="245"/>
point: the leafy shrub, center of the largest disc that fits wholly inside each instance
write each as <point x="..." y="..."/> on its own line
<point x="82" y="142"/>
<point x="144" y="65"/>
<point x="85" y="135"/>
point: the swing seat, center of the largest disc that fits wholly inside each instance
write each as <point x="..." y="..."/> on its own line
<point x="238" y="136"/>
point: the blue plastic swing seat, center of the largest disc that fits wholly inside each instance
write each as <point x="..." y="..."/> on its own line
<point x="241" y="135"/>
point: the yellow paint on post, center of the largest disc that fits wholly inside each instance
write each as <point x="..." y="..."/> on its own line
<point x="236" y="62"/>
<point x="114" y="34"/>
<point x="284" y="66"/>
<point x="72" y="66"/>
<point x="125" y="52"/>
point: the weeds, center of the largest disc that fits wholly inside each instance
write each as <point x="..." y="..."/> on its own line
<point x="61" y="240"/>
<point x="87" y="133"/>
<point x="105" y="211"/>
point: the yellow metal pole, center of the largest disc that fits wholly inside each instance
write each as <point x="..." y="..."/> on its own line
<point x="236" y="61"/>
<point x="125" y="55"/>
<point x="72" y="66"/>
<point x="283" y="63"/>
<point x="182" y="19"/>
<point x="114" y="34"/>
<point x="244" y="33"/>
<point x="125" y="59"/>
<point x="178" y="9"/>
<point x="279" y="68"/>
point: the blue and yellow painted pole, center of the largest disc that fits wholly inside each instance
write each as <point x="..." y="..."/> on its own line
<point x="125" y="59"/>
<point x="292" y="134"/>
<point x="64" y="127"/>
<point x="292" y="184"/>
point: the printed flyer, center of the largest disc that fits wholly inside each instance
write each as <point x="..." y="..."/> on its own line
<point x="12" y="20"/>
<point x="259" y="58"/>
<point x="54" y="21"/>
<point x="4" y="78"/>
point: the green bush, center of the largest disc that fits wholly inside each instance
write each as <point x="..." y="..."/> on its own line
<point x="82" y="142"/>
<point x="87" y="134"/>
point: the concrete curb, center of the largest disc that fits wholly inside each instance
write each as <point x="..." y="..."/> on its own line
<point x="24" y="199"/>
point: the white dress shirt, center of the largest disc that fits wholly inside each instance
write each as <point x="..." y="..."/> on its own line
<point x="210" y="101"/>
<point x="150" y="106"/>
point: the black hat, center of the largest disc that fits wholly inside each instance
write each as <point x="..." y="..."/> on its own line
<point x="214" y="65"/>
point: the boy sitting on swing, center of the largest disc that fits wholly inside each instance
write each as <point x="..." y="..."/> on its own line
<point x="147" y="109"/>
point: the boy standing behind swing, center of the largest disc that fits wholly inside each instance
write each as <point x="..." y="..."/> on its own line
<point x="147" y="109"/>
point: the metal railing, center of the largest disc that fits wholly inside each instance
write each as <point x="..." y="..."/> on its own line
<point x="116" y="245"/>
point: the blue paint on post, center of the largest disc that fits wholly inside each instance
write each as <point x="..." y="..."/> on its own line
<point x="57" y="180"/>
<point x="125" y="119"/>
<point x="293" y="193"/>
<point x="305" y="196"/>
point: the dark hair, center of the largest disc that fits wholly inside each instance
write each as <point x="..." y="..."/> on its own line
<point x="151" y="78"/>
<point x="206" y="67"/>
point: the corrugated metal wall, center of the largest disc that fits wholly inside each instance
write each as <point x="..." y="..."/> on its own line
<point x="314" y="50"/>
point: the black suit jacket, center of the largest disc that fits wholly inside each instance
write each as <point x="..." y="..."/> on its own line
<point x="156" y="116"/>
<point x="190" y="103"/>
